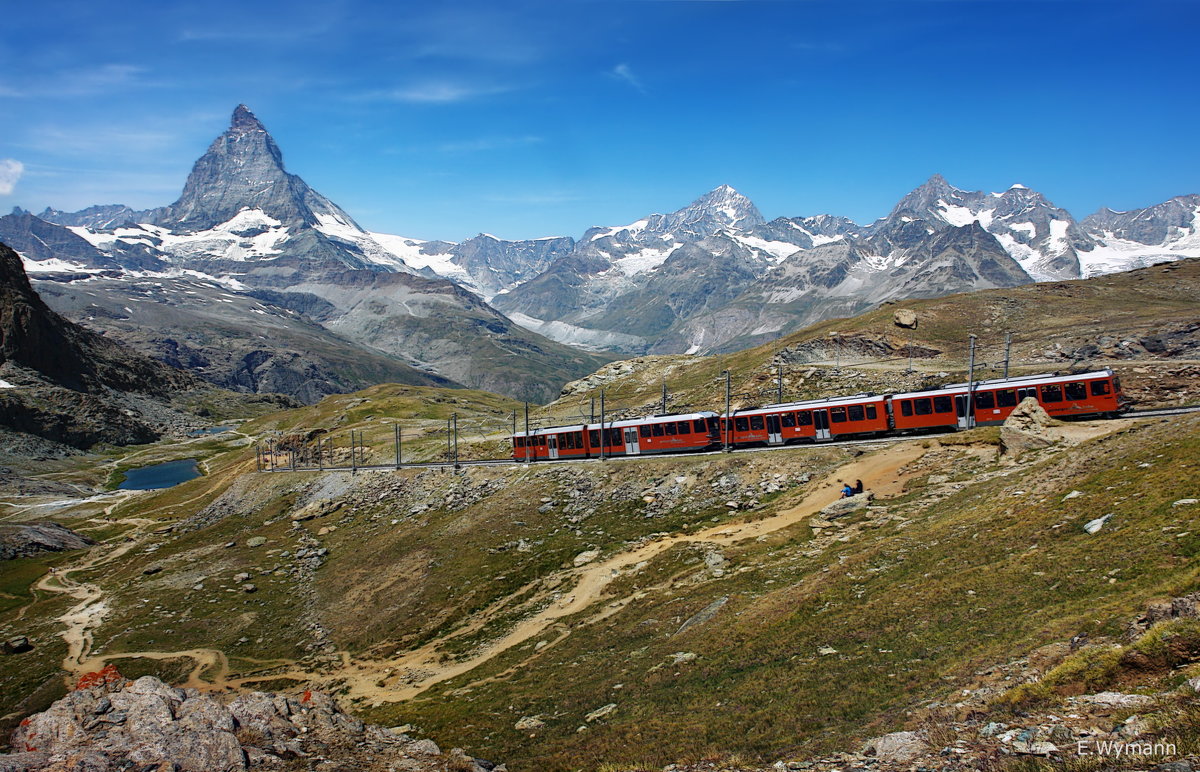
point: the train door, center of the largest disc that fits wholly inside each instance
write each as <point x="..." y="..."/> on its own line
<point x="552" y="446"/>
<point x="821" y="424"/>
<point x="774" y="432"/>
<point x="964" y="415"/>
<point x="632" y="445"/>
<point x="1028" y="391"/>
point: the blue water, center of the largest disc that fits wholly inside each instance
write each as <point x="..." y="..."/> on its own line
<point x="210" y="430"/>
<point x="148" y="478"/>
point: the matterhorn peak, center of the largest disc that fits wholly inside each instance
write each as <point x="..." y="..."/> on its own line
<point x="245" y="121"/>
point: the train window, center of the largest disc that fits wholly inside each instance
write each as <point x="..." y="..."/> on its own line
<point x="698" y="425"/>
<point x="923" y="406"/>
<point x="943" y="404"/>
<point x="1075" y="391"/>
<point x="1006" y="398"/>
<point x="756" y="422"/>
<point x="712" y="425"/>
<point x="1099" y="388"/>
<point x="644" y="431"/>
<point x="788" y="419"/>
<point x="669" y="428"/>
<point x="741" y="424"/>
<point x="542" y="441"/>
<point x="658" y="430"/>
<point x="594" y="437"/>
<point x="683" y="427"/>
<point x="985" y="400"/>
<point x="615" y="438"/>
<point x="579" y="440"/>
<point x="856" y="412"/>
<point x="804" y="418"/>
<point x="566" y="441"/>
<point x="906" y="407"/>
<point x="837" y="415"/>
<point x="1052" y="392"/>
<point x="872" y="413"/>
<point x="518" y="442"/>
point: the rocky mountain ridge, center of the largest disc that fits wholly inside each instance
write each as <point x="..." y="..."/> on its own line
<point x="712" y="276"/>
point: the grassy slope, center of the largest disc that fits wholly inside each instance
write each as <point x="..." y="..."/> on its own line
<point x="984" y="574"/>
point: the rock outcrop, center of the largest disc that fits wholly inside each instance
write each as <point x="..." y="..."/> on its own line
<point x="111" y="723"/>
<point x="1028" y="427"/>
<point x="23" y="540"/>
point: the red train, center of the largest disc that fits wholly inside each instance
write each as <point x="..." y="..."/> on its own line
<point x="953" y="407"/>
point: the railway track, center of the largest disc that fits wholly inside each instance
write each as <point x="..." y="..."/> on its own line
<point x="1153" y="413"/>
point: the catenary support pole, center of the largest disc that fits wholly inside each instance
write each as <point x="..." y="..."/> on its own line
<point x="1007" y="351"/>
<point x="725" y="436"/>
<point x="779" y="386"/>
<point x="664" y="398"/>
<point x="396" y="442"/>
<point x="454" y="416"/>
<point x="971" y="387"/>
<point x="527" y="445"/>
<point x="603" y="432"/>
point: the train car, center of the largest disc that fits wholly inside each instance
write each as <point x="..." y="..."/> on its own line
<point x="991" y="401"/>
<point x="630" y="437"/>
<point x="1096" y="393"/>
<point x="809" y="421"/>
<point x="551" y="443"/>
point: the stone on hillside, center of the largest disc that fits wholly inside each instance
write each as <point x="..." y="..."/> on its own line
<point x="845" y="506"/>
<point x="585" y="557"/>
<point x="1072" y="495"/>
<point x="256" y="541"/>
<point x="705" y="614"/>
<point x="600" y="713"/>
<point x="1028" y="427"/>
<point x="17" y="645"/>
<point x="827" y="651"/>
<point x="905" y="318"/>
<point x="1185" y="502"/>
<point x="683" y="657"/>
<point x="1094" y="526"/>
<point x="529" y="723"/>
<point x="896" y="748"/>
<point x="1115" y="700"/>
<point x="1194" y="684"/>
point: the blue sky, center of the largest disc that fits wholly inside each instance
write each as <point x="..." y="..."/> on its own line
<point x="525" y="119"/>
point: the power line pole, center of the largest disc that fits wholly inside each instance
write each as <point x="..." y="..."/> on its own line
<point x="664" y="398"/>
<point x="779" y="389"/>
<point x="971" y="387"/>
<point x="396" y="442"/>
<point x="728" y="418"/>
<point x="527" y="445"/>
<point x="454" y="416"/>
<point x="353" y="455"/>
<point x="603" y="432"/>
<point x="1007" y="351"/>
<point x="592" y="414"/>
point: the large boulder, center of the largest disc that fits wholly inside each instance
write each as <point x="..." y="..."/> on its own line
<point x="896" y="748"/>
<point x="843" y="507"/>
<point x="1028" y="427"/>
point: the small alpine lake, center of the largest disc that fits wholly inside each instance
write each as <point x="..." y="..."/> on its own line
<point x="164" y="475"/>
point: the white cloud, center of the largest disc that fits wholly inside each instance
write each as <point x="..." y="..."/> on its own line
<point x="488" y="143"/>
<point x="10" y="171"/>
<point x="623" y="72"/>
<point x="436" y="92"/>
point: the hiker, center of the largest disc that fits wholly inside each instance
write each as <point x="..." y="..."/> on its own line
<point x="847" y="491"/>
<point x="858" y="487"/>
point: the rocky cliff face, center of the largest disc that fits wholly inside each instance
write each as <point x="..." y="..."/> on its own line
<point x="68" y="384"/>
